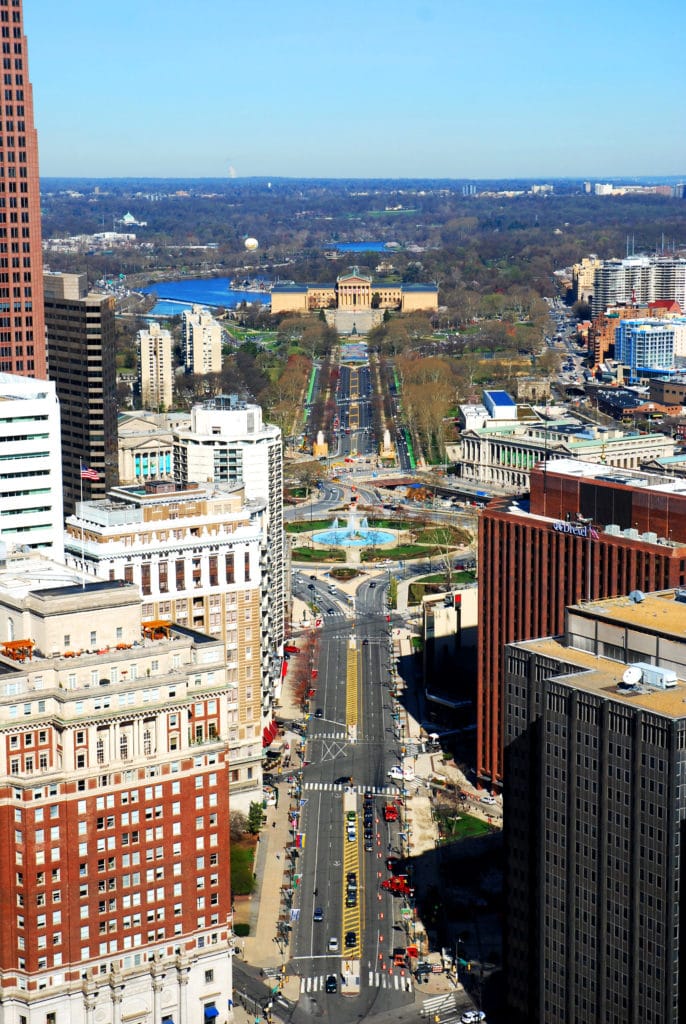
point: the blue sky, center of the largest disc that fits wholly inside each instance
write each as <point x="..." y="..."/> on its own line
<point x="396" y="88"/>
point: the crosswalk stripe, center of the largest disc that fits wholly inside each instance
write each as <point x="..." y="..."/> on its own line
<point x="375" y="979"/>
<point x="339" y="787"/>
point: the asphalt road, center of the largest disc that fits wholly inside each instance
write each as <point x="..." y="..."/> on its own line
<point x="332" y="755"/>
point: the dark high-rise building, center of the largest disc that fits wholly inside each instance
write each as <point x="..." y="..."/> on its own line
<point x="22" y="330"/>
<point x="585" y="531"/>
<point x="81" y="353"/>
<point x="595" y="760"/>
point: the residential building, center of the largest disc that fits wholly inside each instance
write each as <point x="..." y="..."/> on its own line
<point x="81" y="356"/>
<point x="22" y="334"/>
<point x="646" y="347"/>
<point x="155" y="370"/>
<point x="228" y="442"/>
<point x="30" y="465"/>
<point x="638" y="280"/>
<point x="202" y="341"/>
<point x="584" y="530"/>
<point x="595" y="732"/>
<point x="114" y="804"/>
<point x="195" y="553"/>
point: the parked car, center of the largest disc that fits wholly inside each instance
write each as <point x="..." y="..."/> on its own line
<point x="488" y="799"/>
<point x="350" y="939"/>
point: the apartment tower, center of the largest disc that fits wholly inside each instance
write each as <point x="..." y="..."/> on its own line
<point x="585" y="531"/>
<point x="155" y="369"/>
<point x="22" y="329"/>
<point x="81" y="354"/>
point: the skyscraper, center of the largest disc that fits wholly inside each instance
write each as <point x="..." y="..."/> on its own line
<point x="81" y="353"/>
<point x="22" y="329"/>
<point x="595" y="725"/>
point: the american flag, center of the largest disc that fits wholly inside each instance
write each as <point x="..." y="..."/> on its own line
<point x="89" y="474"/>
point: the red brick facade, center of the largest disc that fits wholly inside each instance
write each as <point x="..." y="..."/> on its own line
<point x="22" y="320"/>
<point x="530" y="569"/>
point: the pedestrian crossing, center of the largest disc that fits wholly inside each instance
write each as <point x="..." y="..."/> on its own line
<point x="329" y="736"/>
<point x="339" y="787"/>
<point x="435" y="1004"/>
<point x="375" y="979"/>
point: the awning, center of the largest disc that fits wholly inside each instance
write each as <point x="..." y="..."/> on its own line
<point x="266" y="737"/>
<point x="167" y="1020"/>
<point x="284" y="668"/>
<point x="273" y="730"/>
<point x="211" y="1012"/>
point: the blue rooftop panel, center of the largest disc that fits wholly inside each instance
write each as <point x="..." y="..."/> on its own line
<point x="500" y="397"/>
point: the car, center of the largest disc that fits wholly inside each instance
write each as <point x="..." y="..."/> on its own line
<point x="319" y="713"/>
<point x="318" y="914"/>
<point x="333" y="945"/>
<point x="310" y="586"/>
<point x="372" y="584"/>
<point x="313" y="577"/>
<point x="351" y="815"/>
<point x="488" y="799"/>
<point x="330" y="611"/>
<point x="351" y="898"/>
<point x="352" y="835"/>
<point x="351" y="878"/>
<point x="350" y="939"/>
<point x="368" y="846"/>
<point x="331" y="984"/>
<point x="472" y="1017"/>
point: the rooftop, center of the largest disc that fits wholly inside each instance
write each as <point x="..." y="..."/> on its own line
<point x="656" y="482"/>
<point x="658" y="613"/>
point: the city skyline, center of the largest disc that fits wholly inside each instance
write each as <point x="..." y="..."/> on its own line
<point x="423" y="89"/>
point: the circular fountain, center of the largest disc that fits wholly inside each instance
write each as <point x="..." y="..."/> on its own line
<point x="355" y="534"/>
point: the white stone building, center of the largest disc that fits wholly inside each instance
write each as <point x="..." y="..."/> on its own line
<point x="196" y="555"/>
<point x="228" y="442"/>
<point x="30" y="465"/>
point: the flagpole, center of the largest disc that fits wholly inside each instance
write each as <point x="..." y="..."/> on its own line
<point x="83" y="548"/>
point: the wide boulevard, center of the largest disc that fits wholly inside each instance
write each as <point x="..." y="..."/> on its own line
<point x="350" y="748"/>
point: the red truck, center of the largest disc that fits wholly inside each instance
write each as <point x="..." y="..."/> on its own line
<point x="390" y="812"/>
<point x="398" y="886"/>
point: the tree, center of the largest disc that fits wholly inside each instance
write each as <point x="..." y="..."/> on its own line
<point x="255" y="817"/>
<point x="376" y="300"/>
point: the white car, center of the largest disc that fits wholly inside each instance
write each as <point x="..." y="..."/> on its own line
<point x="398" y="773"/>
<point x="333" y="945"/>
<point x="487" y="799"/>
<point x="472" y="1017"/>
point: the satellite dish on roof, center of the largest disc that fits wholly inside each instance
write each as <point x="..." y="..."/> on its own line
<point x="637" y="596"/>
<point x="632" y="675"/>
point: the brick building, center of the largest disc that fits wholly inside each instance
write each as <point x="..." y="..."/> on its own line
<point x="585" y="531"/>
<point x="114" y="806"/>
